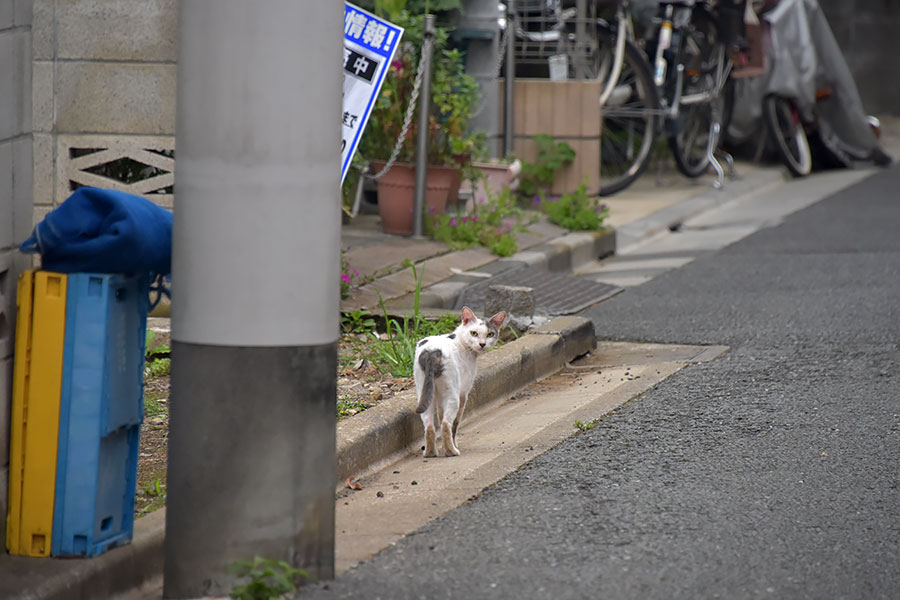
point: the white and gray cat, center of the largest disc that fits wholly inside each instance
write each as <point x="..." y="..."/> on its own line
<point x="444" y="371"/>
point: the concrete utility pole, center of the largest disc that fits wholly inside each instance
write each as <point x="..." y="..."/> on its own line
<point x="255" y="290"/>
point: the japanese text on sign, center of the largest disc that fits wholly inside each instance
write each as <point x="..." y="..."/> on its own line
<point x="369" y="46"/>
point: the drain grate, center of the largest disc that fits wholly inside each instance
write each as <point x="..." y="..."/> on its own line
<point x="554" y="293"/>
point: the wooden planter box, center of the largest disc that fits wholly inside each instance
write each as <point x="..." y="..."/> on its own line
<point x="568" y="111"/>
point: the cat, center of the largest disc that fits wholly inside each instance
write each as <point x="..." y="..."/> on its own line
<point x="444" y="371"/>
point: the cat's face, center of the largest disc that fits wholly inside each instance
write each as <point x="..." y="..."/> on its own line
<point x="477" y="334"/>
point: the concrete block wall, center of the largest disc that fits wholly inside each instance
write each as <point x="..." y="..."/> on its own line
<point x="15" y="198"/>
<point x="104" y="98"/>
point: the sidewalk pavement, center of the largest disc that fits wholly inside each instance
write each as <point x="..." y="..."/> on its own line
<point x="656" y="202"/>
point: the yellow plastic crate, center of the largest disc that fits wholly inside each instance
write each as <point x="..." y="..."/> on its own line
<point x="37" y="380"/>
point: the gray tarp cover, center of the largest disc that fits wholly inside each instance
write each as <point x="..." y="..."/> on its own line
<point x="803" y="57"/>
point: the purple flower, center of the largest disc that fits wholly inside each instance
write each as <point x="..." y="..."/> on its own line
<point x="397" y="65"/>
<point x="345" y="278"/>
<point x="452" y="222"/>
<point x="507" y="224"/>
<point x="475" y="218"/>
<point x="537" y="199"/>
<point x="355" y="273"/>
<point x="465" y="219"/>
<point x="430" y="210"/>
<point x="500" y="231"/>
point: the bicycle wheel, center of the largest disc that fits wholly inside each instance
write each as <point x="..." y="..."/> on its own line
<point x="703" y="102"/>
<point x="629" y="117"/>
<point x="786" y="130"/>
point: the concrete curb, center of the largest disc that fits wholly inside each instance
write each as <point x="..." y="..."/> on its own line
<point x="367" y="440"/>
<point x="563" y="254"/>
<point x="115" y="572"/>
<point x="380" y="433"/>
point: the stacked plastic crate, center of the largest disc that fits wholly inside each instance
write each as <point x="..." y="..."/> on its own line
<point x="77" y="411"/>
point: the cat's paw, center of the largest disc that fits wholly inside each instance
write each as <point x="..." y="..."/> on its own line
<point x="450" y="448"/>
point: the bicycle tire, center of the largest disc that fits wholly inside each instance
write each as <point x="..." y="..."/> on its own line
<point x="703" y="56"/>
<point x="629" y="118"/>
<point x="787" y="132"/>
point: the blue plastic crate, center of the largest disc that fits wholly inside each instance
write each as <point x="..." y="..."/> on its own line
<point x="101" y="410"/>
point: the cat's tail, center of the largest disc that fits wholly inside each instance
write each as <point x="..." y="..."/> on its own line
<point x="430" y="362"/>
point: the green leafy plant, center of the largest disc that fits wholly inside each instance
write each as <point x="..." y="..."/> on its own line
<point x="490" y="224"/>
<point x="268" y="578"/>
<point x="158" y="367"/>
<point x="537" y="177"/>
<point x="576" y="211"/>
<point x="357" y="321"/>
<point x="158" y="361"/>
<point x="155" y="489"/>
<point x="582" y="426"/>
<point x="395" y="351"/>
<point x="454" y="93"/>
<point x="347" y="407"/>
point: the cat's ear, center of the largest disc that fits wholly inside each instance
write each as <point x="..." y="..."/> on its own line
<point x="498" y="319"/>
<point x="468" y="316"/>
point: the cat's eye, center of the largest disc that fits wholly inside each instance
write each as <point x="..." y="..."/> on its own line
<point x="474" y="333"/>
<point x="490" y="334"/>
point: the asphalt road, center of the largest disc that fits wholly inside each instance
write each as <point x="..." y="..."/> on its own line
<point x="770" y="473"/>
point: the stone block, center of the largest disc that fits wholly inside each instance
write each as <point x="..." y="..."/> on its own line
<point x="42" y="95"/>
<point x="6" y="195"/>
<point x="129" y="30"/>
<point x="7" y="15"/>
<point x="4" y="496"/>
<point x="7" y="314"/>
<point x="42" y="28"/>
<point x="44" y="167"/>
<point x="516" y="301"/>
<point x="23" y="12"/>
<point x="23" y="168"/>
<point x="6" y="374"/>
<point x="115" y="98"/>
<point x="15" y="93"/>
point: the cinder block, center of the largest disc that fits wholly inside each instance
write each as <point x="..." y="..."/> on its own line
<point x="516" y="301"/>
<point x="6" y="370"/>
<point x="15" y="93"/>
<point x="23" y="168"/>
<point x="23" y="12"/>
<point x="42" y="29"/>
<point x="43" y="169"/>
<point x="115" y="97"/>
<point x="6" y="194"/>
<point x="7" y="317"/>
<point x="133" y="30"/>
<point x="7" y="15"/>
<point x="42" y="95"/>
<point x="4" y="496"/>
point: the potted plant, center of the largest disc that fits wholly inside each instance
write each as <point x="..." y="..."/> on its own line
<point x="453" y="98"/>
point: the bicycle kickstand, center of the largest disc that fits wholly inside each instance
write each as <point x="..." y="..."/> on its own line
<point x="710" y="155"/>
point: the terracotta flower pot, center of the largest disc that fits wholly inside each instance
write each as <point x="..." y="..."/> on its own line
<point x="396" y="194"/>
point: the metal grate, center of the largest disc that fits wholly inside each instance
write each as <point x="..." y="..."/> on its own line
<point x="554" y="293"/>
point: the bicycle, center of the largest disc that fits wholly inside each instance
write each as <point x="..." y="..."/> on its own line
<point x="681" y="89"/>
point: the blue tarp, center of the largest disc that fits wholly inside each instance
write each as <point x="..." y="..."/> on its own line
<point x="104" y="231"/>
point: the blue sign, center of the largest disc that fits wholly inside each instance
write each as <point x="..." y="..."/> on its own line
<point x="369" y="46"/>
